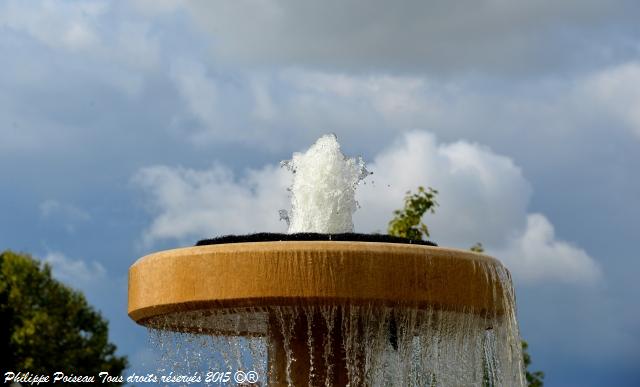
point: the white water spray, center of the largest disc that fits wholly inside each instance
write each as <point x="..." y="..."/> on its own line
<point x="323" y="190"/>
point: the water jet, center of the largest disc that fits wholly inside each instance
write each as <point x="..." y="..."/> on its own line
<point x="322" y="306"/>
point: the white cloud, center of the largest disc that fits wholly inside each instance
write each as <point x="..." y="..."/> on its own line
<point x="53" y="207"/>
<point x="75" y="272"/>
<point x="616" y="92"/>
<point x="154" y="7"/>
<point x="91" y="32"/>
<point x="536" y="254"/>
<point x="66" y="214"/>
<point x="58" y="25"/>
<point x="188" y="203"/>
<point x="199" y="92"/>
<point x="392" y="97"/>
<point x="136" y="45"/>
<point x="264" y="107"/>
<point x="483" y="197"/>
<point x="79" y="35"/>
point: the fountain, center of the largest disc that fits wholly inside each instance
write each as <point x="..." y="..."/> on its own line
<point x="321" y="306"/>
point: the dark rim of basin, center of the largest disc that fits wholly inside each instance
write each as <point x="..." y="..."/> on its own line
<point x="311" y="236"/>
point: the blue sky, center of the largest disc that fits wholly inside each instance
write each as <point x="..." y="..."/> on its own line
<point x="129" y="127"/>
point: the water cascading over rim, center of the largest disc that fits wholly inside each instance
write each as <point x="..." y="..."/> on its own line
<point x="338" y="313"/>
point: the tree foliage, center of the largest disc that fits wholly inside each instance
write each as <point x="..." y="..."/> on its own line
<point x="477" y="248"/>
<point x="46" y="326"/>
<point x="407" y="222"/>
<point x="535" y="378"/>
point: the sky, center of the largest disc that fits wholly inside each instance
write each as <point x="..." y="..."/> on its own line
<point x="131" y="127"/>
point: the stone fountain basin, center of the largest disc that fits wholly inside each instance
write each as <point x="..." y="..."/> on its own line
<point x="283" y="273"/>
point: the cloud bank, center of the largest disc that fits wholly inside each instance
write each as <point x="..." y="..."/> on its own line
<point x="496" y="37"/>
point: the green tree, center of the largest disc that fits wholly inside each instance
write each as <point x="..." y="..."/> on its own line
<point x="407" y="222"/>
<point x="477" y="248"/>
<point x="535" y="378"/>
<point x="46" y="326"/>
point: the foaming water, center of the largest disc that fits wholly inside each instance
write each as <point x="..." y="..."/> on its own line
<point x="323" y="189"/>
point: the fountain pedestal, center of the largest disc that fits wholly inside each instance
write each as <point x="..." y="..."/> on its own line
<point x="347" y="291"/>
<point x="308" y="348"/>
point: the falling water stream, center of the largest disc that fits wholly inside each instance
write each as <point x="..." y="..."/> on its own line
<point x="377" y="345"/>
